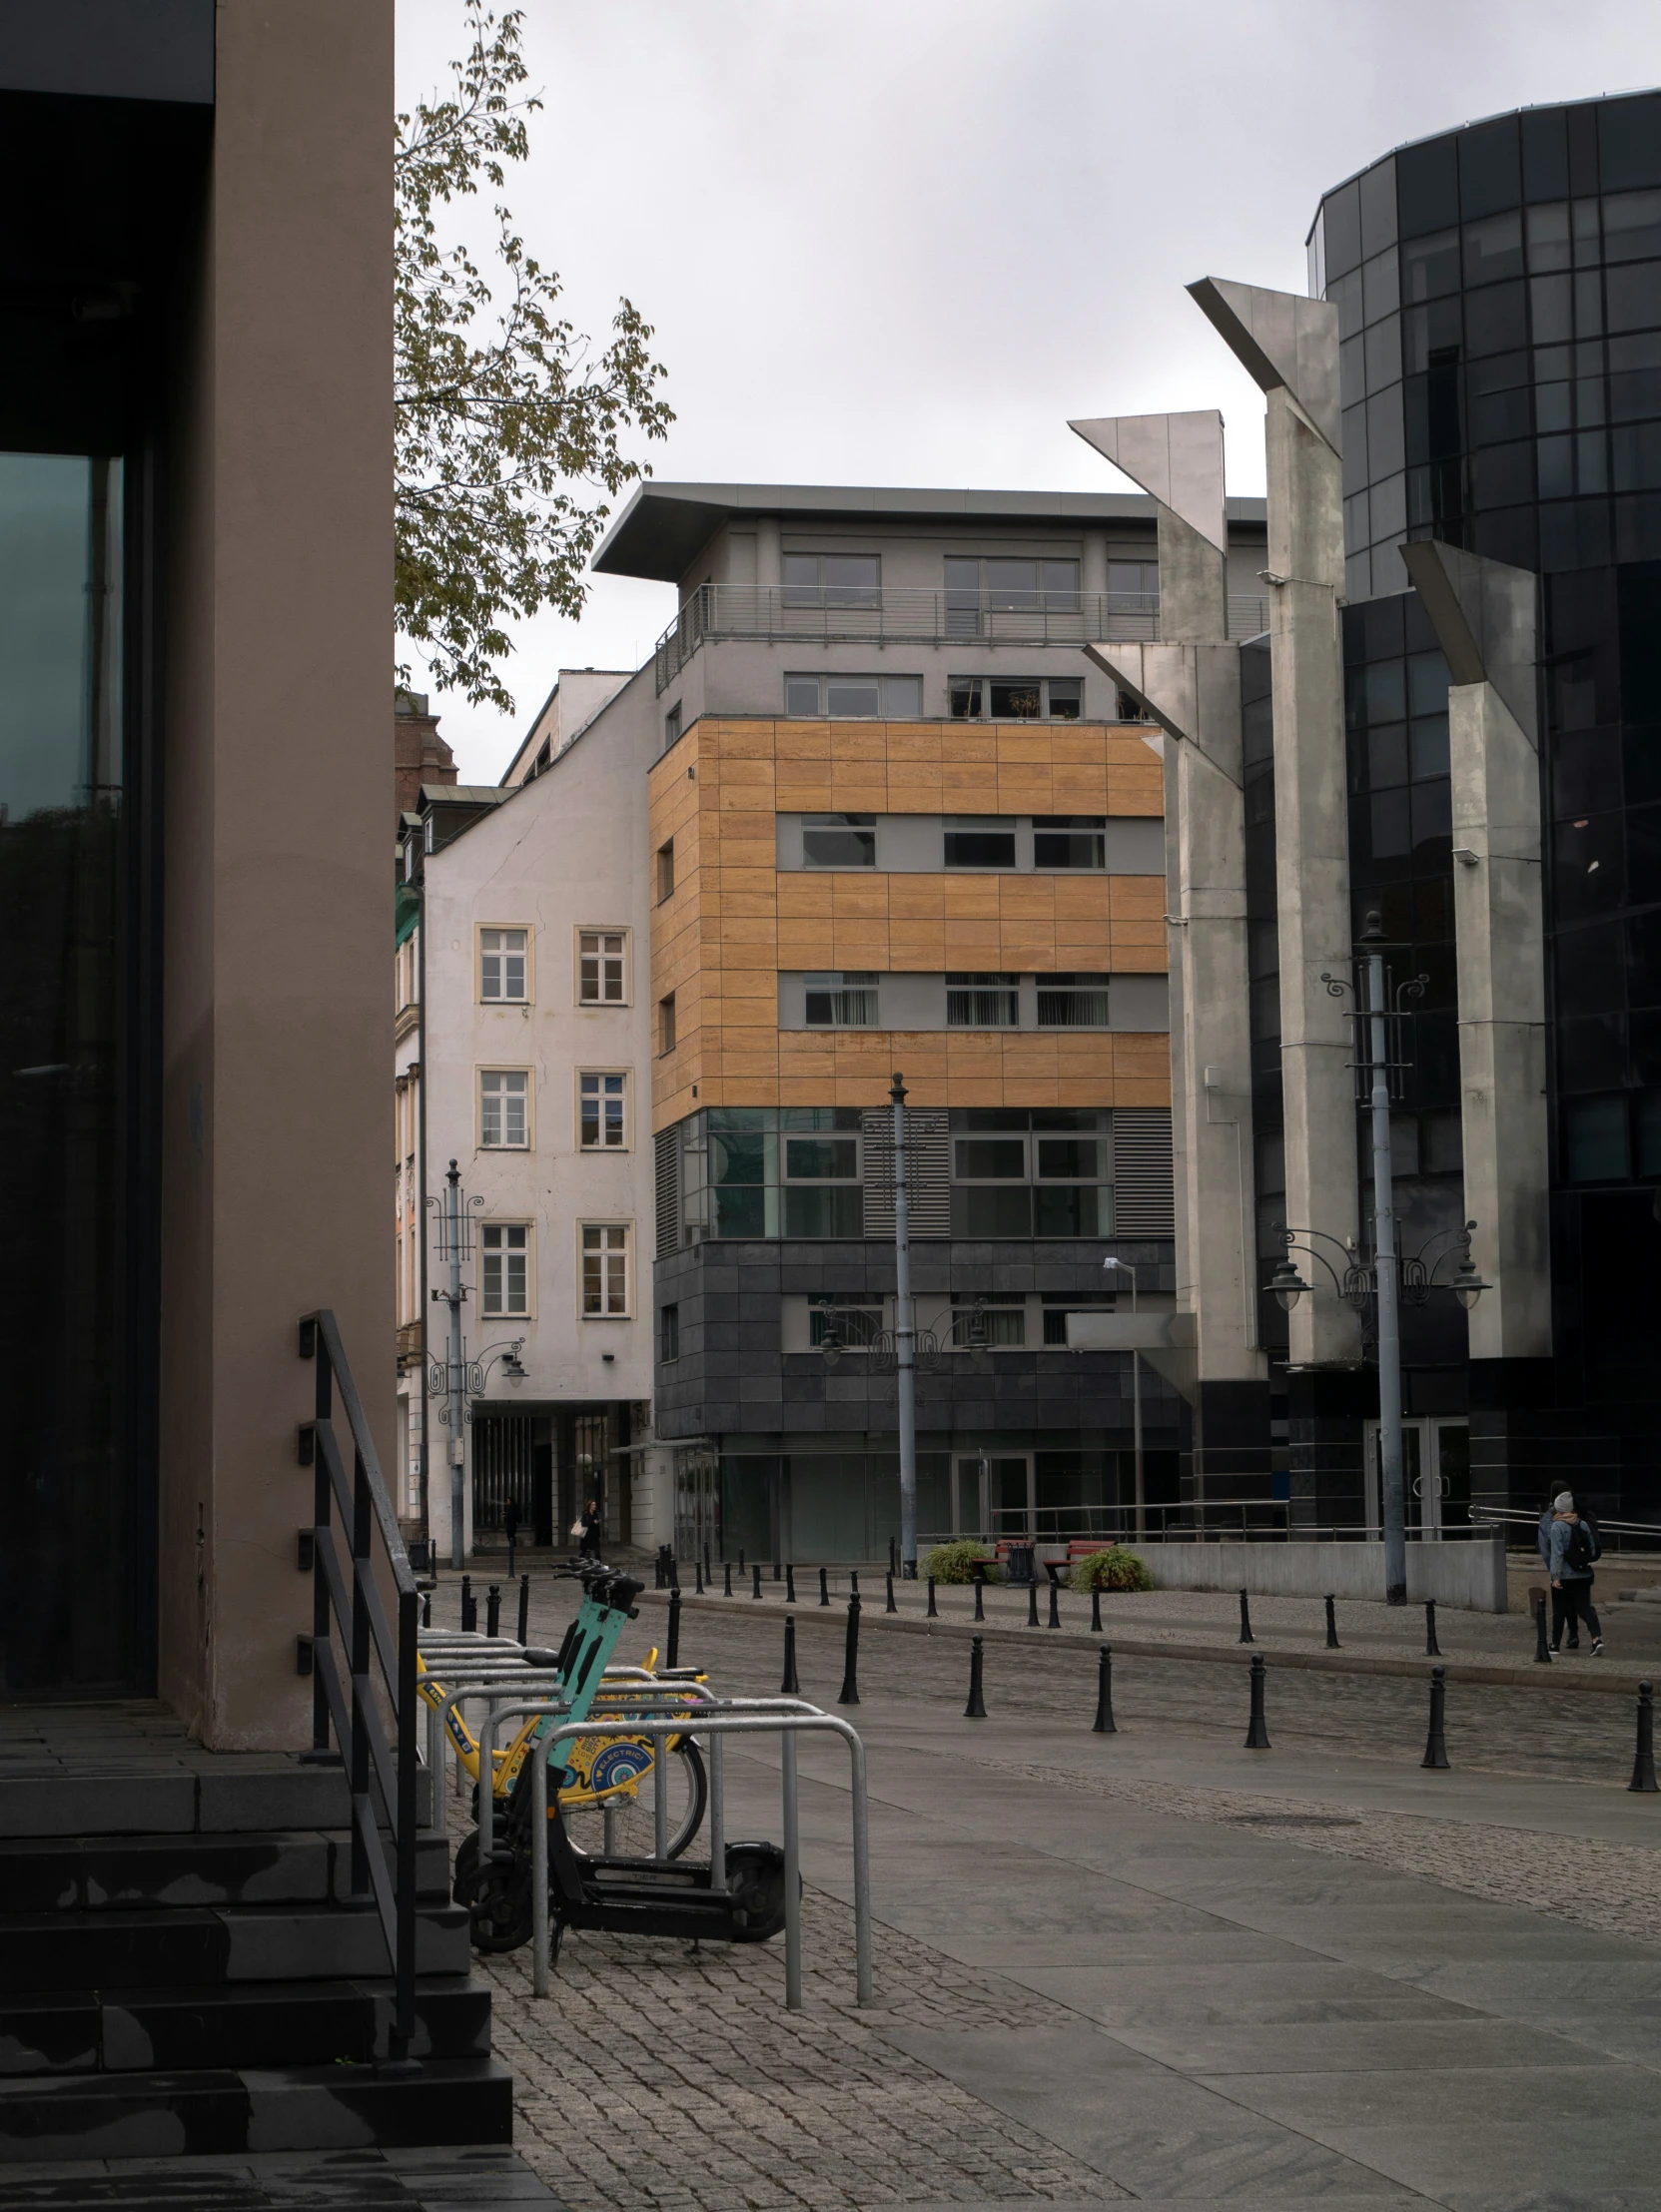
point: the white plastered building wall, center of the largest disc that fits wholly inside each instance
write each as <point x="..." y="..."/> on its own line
<point x="563" y="854"/>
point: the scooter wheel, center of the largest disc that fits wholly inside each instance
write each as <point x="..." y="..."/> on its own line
<point x="755" y="1882"/>
<point x="498" y="1902"/>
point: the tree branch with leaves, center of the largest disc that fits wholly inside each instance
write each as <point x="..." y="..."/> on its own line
<point x="510" y="426"/>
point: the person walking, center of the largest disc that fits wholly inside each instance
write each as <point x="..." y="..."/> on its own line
<point x="592" y="1523"/>
<point x="1574" y="1548"/>
<point x="1542" y="1544"/>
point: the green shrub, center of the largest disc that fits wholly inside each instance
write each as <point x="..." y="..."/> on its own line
<point x="955" y="1561"/>
<point x="1112" y="1568"/>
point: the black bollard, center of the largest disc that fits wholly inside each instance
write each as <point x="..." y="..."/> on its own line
<point x="824" y="1586"/>
<point x="525" y="1609"/>
<point x="1257" y="1736"/>
<point x="934" y="1610"/>
<point x="727" y="1566"/>
<point x="511" y="1549"/>
<point x="675" y="1574"/>
<point x="853" y="1579"/>
<point x="1032" y="1604"/>
<point x="850" y="1670"/>
<point x="1246" y="1635"/>
<point x="790" y="1686"/>
<point x="1095" y="1609"/>
<point x="1436" y="1747"/>
<point x="1432" y="1650"/>
<point x="1055" y="1603"/>
<point x="492" y="1610"/>
<point x="674" y="1659"/>
<point x="755" y="1580"/>
<point x="980" y="1594"/>
<point x="778" y="1572"/>
<point x="707" y="1576"/>
<point x="427" y="1609"/>
<point x="1643" y="1763"/>
<point x="657" y="1572"/>
<point x="1333" y="1644"/>
<point x="1104" y="1722"/>
<point x="469" y="1607"/>
<point x="740" y="1559"/>
<point x="789" y="1585"/>
<point x="891" y="1606"/>
<point x="975" y="1710"/>
<point x="697" y="1571"/>
<point x="1542" y="1645"/>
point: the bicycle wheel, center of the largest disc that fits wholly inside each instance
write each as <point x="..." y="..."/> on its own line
<point x="632" y="1819"/>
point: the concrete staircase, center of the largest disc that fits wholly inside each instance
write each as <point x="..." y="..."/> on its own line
<point x="182" y="1972"/>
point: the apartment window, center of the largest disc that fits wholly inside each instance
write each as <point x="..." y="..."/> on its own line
<point x="1134" y="587"/>
<point x="983" y="1002"/>
<point x="896" y="698"/>
<point x="666" y="1023"/>
<point x="858" y="1321"/>
<point x="504" y="965"/>
<point x="505" y="1248"/>
<point x="668" y="1333"/>
<point x="1075" y="1001"/>
<point x="832" y="580"/>
<point x="665" y="870"/>
<point x="987" y="1323"/>
<point x="841" y="1000"/>
<point x="770" y="1166"/>
<point x="839" y="840"/>
<point x="1070" y="841"/>
<point x="980" y="841"/>
<point x="601" y="967"/>
<point x="1044" y="1171"/>
<point x="602" y="1103"/>
<point x="1017" y="698"/>
<point x="504" y="1108"/>
<point x="979" y="588"/>
<point x="606" y="1283"/>
<point x="672" y="726"/>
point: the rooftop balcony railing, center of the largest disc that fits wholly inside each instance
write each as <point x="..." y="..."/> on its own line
<point x="858" y="615"/>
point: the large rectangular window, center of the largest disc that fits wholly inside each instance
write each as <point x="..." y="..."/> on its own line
<point x="980" y="589"/>
<point x="842" y="1000"/>
<point x="980" y="841"/>
<point x="504" y="1255"/>
<point x="1074" y="1000"/>
<point x="602" y="967"/>
<point x="832" y="580"/>
<point x="839" y="840"/>
<point x="1070" y="841"/>
<point x="838" y="697"/>
<point x="772" y="1170"/>
<point x="983" y="1002"/>
<point x="1041" y="1171"/>
<point x="1016" y="698"/>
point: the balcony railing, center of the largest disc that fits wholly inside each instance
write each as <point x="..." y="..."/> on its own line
<point x="856" y="615"/>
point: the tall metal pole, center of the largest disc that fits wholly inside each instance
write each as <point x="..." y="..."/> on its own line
<point x="455" y="1378"/>
<point x="1127" y="1267"/>
<point x="905" y="1342"/>
<point x="1390" y="1320"/>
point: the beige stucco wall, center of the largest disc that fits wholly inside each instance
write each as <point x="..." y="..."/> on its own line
<point x="278" y="787"/>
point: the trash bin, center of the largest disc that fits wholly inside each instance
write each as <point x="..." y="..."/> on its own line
<point x="1019" y="1568"/>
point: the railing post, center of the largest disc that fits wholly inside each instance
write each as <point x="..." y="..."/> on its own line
<point x="361" y="1519"/>
<point x="404" y="2024"/>
<point x="321" y="1399"/>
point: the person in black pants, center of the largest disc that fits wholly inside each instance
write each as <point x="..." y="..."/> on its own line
<point x="593" y="1521"/>
<point x="1572" y="1553"/>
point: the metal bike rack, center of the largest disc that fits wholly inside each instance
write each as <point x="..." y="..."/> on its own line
<point x="714" y="1719"/>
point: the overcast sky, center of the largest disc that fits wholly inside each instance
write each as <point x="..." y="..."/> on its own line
<point x="902" y="240"/>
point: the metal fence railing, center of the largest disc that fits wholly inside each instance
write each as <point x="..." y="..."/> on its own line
<point x="852" y="615"/>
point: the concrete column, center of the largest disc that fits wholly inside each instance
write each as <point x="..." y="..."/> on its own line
<point x="1095" y="579"/>
<point x="769" y="553"/>
<point x="1290" y="345"/>
<point x="1484" y="615"/>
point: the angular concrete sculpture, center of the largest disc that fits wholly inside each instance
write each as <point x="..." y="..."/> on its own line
<point x="1486" y="616"/>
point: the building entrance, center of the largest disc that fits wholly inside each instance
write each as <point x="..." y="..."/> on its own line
<point x="1435" y="1471"/>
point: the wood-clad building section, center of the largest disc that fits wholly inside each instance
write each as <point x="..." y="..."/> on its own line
<point x="731" y="921"/>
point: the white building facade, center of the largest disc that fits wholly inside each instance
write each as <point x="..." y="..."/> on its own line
<point x="532" y="1074"/>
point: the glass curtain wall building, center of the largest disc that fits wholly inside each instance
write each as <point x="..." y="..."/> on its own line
<point x="1499" y="300"/>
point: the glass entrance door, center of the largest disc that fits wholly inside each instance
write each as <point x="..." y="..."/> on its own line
<point x="77" y="1606"/>
<point x="1436" y="1473"/>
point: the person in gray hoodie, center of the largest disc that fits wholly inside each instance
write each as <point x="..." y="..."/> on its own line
<point x="1572" y="1553"/>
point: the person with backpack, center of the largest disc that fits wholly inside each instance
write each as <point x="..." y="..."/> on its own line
<point x="1574" y="1548"/>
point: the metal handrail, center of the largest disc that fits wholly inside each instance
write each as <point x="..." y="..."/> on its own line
<point x="1510" y="1516"/>
<point x="852" y="617"/>
<point x="353" y="1604"/>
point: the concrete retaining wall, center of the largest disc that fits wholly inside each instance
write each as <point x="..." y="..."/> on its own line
<point x="1468" y="1572"/>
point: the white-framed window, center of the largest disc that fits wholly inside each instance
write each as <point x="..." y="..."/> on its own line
<point x="504" y="966"/>
<point x="504" y="1268"/>
<point x="602" y="1111"/>
<point x="505" y="1109"/>
<point x="605" y="1256"/>
<point x="870" y="699"/>
<point x="602" y="967"/>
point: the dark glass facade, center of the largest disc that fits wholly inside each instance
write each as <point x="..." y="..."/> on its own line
<point x="1499" y="300"/>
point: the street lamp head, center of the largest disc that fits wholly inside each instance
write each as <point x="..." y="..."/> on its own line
<point x="1373" y="927"/>
<point x="514" y="1367"/>
<point x="1287" y="1284"/>
<point x="1468" y="1285"/>
<point x="830" y="1336"/>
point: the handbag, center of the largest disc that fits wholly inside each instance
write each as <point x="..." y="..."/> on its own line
<point x="576" y="1528"/>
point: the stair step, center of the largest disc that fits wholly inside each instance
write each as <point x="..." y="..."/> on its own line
<point x="200" y="2114"/>
<point x="127" y="1796"/>
<point x="201" y="1946"/>
<point x="133" y="1872"/>
<point x="298" y="2023"/>
<point x="484" y="2177"/>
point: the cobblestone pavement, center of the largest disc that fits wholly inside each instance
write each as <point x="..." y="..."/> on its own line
<point x="665" y="2076"/>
